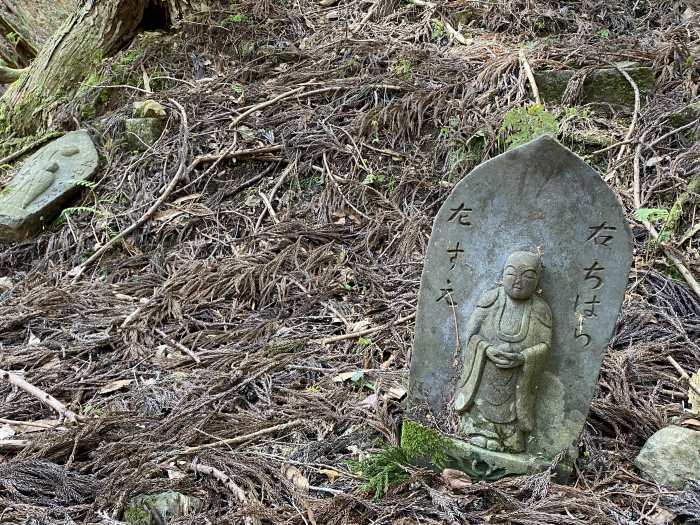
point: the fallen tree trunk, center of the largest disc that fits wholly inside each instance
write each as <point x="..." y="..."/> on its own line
<point x="95" y="30"/>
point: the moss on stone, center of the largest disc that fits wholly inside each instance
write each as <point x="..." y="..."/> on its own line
<point x="602" y="86"/>
<point x="137" y="516"/>
<point x="421" y="443"/>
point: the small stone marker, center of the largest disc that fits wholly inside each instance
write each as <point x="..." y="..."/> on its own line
<point x="524" y="276"/>
<point x="45" y="183"/>
<point x="147" y="126"/>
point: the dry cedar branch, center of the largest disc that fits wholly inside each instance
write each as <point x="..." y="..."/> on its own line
<point x="64" y="412"/>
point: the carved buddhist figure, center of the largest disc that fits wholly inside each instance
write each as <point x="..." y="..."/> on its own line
<point x="507" y="340"/>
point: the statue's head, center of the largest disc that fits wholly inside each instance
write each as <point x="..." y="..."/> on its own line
<point x="521" y="275"/>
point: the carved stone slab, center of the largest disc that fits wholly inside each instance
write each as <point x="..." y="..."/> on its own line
<point x="491" y="356"/>
<point x="45" y="183"/>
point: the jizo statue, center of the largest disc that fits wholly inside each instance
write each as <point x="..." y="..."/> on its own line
<point x="524" y="276"/>
<point x="507" y="339"/>
<point x="45" y="183"/>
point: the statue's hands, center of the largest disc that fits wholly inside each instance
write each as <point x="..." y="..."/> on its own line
<point x="516" y="359"/>
<point x="504" y="357"/>
<point x="499" y="355"/>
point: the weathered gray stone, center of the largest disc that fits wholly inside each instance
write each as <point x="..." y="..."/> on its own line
<point x="603" y="88"/>
<point x="671" y="456"/>
<point x="481" y="342"/>
<point x="142" y="133"/>
<point x="45" y="183"/>
<point x="168" y="505"/>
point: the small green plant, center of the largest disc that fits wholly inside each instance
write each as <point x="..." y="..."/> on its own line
<point x="234" y="19"/>
<point x="373" y="179"/>
<point x="364" y="341"/>
<point x="129" y="57"/>
<point x="13" y="38"/>
<point x="437" y="29"/>
<point x="688" y="63"/>
<point x="136" y="516"/>
<point x="310" y="182"/>
<point x="85" y="183"/>
<point x="238" y="89"/>
<point x="93" y="80"/>
<point x="651" y="214"/>
<point x="666" y="218"/>
<point x="604" y="33"/>
<point x="521" y="125"/>
<point x="402" y="69"/>
<point x="423" y="443"/>
<point x="382" y="471"/>
<point x="389" y="467"/>
<point x="76" y="210"/>
<point x="92" y="410"/>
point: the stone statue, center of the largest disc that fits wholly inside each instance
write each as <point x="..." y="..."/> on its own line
<point x="45" y="183"/>
<point x="508" y="337"/>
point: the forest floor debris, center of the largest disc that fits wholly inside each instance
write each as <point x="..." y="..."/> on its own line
<point x="277" y="229"/>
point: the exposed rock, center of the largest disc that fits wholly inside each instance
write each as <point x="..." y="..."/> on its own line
<point x="671" y="456"/>
<point x="602" y="88"/>
<point x="142" y="133"/>
<point x="168" y="505"/>
<point x="45" y="183"/>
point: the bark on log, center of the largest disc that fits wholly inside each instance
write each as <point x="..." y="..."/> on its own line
<point x="96" y="29"/>
<point x="25" y="25"/>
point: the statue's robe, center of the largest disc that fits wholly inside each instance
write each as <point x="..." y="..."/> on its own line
<point x="503" y="396"/>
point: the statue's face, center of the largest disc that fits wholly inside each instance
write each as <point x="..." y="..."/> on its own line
<point x="522" y="275"/>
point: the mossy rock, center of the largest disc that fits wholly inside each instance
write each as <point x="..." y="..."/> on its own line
<point x="602" y="88"/>
<point x="141" y="133"/>
<point x="168" y="504"/>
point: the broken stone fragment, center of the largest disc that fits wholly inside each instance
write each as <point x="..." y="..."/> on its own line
<point x="603" y="88"/>
<point x="168" y="505"/>
<point x="142" y="133"/>
<point x="149" y="109"/>
<point x="45" y="183"/>
<point x="671" y="456"/>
